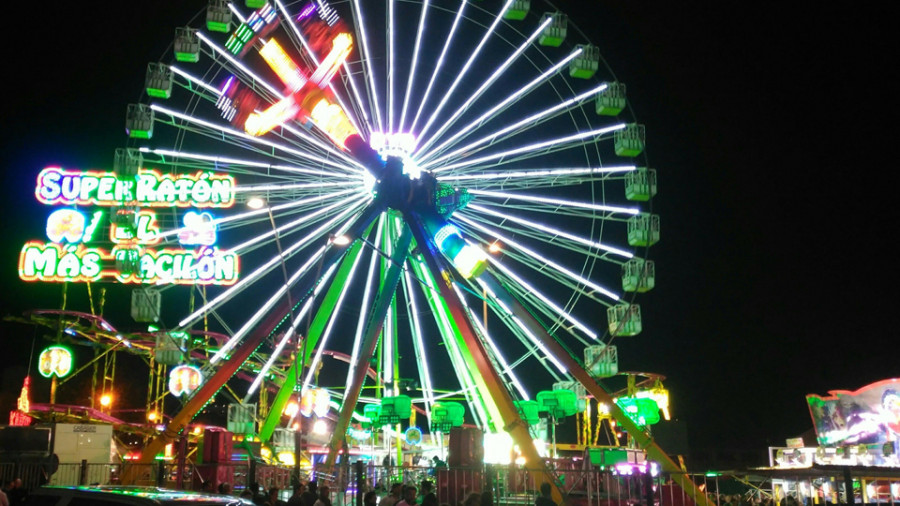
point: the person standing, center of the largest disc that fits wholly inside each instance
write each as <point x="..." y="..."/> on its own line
<point x="311" y="495"/>
<point x="409" y="496"/>
<point x="324" y="499"/>
<point x="392" y="498"/>
<point x="546" y="497"/>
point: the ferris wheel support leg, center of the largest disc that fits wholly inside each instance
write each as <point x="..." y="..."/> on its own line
<point x="512" y="422"/>
<point x="312" y="337"/>
<point x="374" y="326"/>
<point x="644" y="441"/>
<point x="240" y="355"/>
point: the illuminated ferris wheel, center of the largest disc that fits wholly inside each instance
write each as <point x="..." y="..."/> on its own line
<point x="444" y="199"/>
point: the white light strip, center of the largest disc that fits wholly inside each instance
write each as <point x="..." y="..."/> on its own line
<point x="284" y="340"/>
<point x="534" y="147"/>
<point x="510" y="242"/>
<point x="551" y="230"/>
<point x="285" y="186"/>
<point x="364" y="54"/>
<point x="447" y="335"/>
<point x="224" y="160"/>
<point x="240" y="248"/>
<point x="258" y="212"/>
<point x="363" y="314"/>
<point x="236" y="12"/>
<point x="542" y="173"/>
<point x="197" y="81"/>
<point x="487" y="116"/>
<point x="531" y="290"/>
<point x="485" y="85"/>
<point x="387" y="334"/>
<point x="520" y="326"/>
<point x="556" y="202"/>
<point x="257" y="140"/>
<point x="422" y="359"/>
<point x="504" y="365"/>
<point x="532" y="120"/>
<point x="390" y="35"/>
<point x="440" y="63"/>
<point x="261" y="312"/>
<point x="263" y="269"/>
<point x="461" y="74"/>
<point x="323" y="338"/>
<point x="412" y="71"/>
<point x="329" y="147"/>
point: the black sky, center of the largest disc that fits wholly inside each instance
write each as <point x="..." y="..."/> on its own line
<point x="772" y="130"/>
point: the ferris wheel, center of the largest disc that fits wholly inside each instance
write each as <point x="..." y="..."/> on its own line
<point x="443" y="197"/>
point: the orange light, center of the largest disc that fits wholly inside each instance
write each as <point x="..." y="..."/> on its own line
<point x="105" y="400"/>
<point x="340" y="49"/>
<point x="151" y="416"/>
<point x="292" y="408"/>
<point x="283" y="66"/>
<point x="277" y="114"/>
<point x="332" y="120"/>
<point x="494" y="247"/>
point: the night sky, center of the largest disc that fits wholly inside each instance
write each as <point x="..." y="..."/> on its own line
<point x="773" y="133"/>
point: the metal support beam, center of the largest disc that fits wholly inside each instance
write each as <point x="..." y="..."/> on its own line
<point x="643" y="440"/>
<point x="309" y="342"/>
<point x="241" y="353"/>
<point x="512" y="422"/>
<point x="373" y="328"/>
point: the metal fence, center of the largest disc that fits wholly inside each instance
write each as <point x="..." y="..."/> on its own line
<point x="508" y="485"/>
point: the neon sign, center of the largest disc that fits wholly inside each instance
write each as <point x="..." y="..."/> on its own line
<point x="55" y="360"/>
<point x="57" y="186"/>
<point x="56" y="263"/>
<point x="72" y="256"/>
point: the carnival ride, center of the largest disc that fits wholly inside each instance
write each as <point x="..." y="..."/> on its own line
<point x="449" y="202"/>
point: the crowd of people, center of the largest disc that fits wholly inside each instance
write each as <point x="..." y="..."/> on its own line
<point x="13" y="492"/>
<point x="400" y="494"/>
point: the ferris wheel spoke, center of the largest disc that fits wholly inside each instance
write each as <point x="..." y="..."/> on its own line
<point x="317" y="216"/>
<point x="446" y="329"/>
<point x="230" y="164"/>
<point x="366" y="301"/>
<point x="439" y="64"/>
<point x="535" y="178"/>
<point x="606" y="210"/>
<point x="420" y="31"/>
<point x="531" y="292"/>
<point x="292" y="330"/>
<point x="523" y="125"/>
<point x="418" y="342"/>
<point x="270" y="265"/>
<point x="526" y="336"/>
<point x="240" y="69"/>
<point x="502" y="365"/>
<point x="499" y="108"/>
<point x="552" y="230"/>
<point x="253" y="140"/>
<point x="323" y="340"/>
<point x="531" y="150"/>
<point x="389" y="31"/>
<point x="496" y="74"/>
<point x="465" y="69"/>
<point x="540" y="261"/>
<point x="367" y="57"/>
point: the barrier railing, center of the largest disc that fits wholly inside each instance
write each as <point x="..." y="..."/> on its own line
<point x="508" y="485"/>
